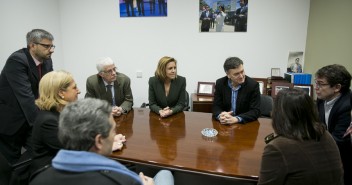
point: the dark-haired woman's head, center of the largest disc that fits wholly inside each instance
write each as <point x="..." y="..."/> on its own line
<point x="295" y="116"/>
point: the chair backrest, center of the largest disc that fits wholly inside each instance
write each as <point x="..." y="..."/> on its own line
<point x="145" y="105"/>
<point x="266" y="105"/>
<point x="186" y="102"/>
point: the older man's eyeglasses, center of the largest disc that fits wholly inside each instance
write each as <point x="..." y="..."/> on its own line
<point x="320" y="84"/>
<point x="110" y="71"/>
<point x="47" y="46"/>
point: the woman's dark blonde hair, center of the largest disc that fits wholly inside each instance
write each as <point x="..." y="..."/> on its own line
<point x="49" y="87"/>
<point x="160" y="71"/>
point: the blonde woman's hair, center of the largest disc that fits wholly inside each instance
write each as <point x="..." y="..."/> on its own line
<point x="49" y="87"/>
<point x="160" y="71"/>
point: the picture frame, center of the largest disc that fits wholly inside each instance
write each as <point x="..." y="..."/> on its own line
<point x="263" y="83"/>
<point x="278" y="86"/>
<point x="275" y="72"/>
<point x="206" y="88"/>
<point x="308" y="88"/>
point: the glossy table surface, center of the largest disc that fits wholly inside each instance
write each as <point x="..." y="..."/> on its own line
<point x="176" y="143"/>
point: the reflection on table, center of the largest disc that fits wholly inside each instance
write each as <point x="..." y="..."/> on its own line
<point x="176" y="143"/>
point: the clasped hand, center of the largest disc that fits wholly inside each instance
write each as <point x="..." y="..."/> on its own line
<point x="227" y="118"/>
<point x="119" y="139"/>
<point x="165" y="112"/>
<point x="116" y="111"/>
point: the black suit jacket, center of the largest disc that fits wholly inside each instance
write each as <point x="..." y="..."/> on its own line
<point x="45" y="140"/>
<point x="176" y="98"/>
<point x="340" y="117"/>
<point x="205" y="21"/>
<point x="248" y="99"/>
<point x="19" y="82"/>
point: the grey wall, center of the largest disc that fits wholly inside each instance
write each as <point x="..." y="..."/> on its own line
<point x="88" y="29"/>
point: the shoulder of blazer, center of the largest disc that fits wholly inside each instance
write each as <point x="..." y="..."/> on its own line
<point x="94" y="79"/>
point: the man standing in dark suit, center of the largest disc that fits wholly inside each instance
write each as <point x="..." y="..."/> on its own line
<point x="111" y="86"/>
<point x="332" y="86"/>
<point x="237" y="96"/>
<point x="241" y="17"/>
<point x="206" y="18"/>
<point x="19" y="81"/>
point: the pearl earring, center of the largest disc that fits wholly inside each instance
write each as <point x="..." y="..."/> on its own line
<point x="62" y="97"/>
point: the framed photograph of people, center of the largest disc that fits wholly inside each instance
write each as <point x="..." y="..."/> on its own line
<point x="143" y="8"/>
<point x="206" y="88"/>
<point x="307" y="88"/>
<point x="278" y="86"/>
<point x="223" y="16"/>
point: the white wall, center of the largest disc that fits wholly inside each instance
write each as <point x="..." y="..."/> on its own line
<point x="92" y="28"/>
<point x="18" y="17"/>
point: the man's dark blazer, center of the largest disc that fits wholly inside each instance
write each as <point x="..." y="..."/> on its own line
<point x="45" y="140"/>
<point x="19" y="82"/>
<point x="176" y="98"/>
<point x="340" y="116"/>
<point x="205" y="22"/>
<point x="248" y="99"/>
<point x="122" y="86"/>
<point x="339" y="120"/>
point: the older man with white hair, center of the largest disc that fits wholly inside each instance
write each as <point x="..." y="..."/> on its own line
<point x="110" y="85"/>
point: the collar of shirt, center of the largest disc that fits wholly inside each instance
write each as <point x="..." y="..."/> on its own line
<point x="36" y="61"/>
<point x="105" y="83"/>
<point x="329" y="104"/>
<point x="327" y="108"/>
<point x="229" y="83"/>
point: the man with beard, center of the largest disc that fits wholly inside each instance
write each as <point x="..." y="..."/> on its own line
<point x="19" y="81"/>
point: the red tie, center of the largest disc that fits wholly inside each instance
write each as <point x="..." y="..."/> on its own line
<point x="39" y="70"/>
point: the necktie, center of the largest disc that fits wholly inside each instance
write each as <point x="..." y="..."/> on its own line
<point x="39" y="70"/>
<point x="109" y="94"/>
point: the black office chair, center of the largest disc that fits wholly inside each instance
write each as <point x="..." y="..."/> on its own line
<point x="266" y="105"/>
<point x="187" y="107"/>
<point x="7" y="177"/>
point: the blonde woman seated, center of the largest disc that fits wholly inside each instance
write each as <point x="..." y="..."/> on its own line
<point x="56" y="89"/>
<point x="167" y="89"/>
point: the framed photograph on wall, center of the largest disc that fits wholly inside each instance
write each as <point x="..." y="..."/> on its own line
<point x="307" y="88"/>
<point x="222" y="16"/>
<point x="206" y="88"/>
<point x="142" y="8"/>
<point x="278" y="86"/>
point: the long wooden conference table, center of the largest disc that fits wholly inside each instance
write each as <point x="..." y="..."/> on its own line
<point x="176" y="143"/>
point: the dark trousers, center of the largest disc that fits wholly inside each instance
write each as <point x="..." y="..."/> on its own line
<point x="346" y="157"/>
<point x="140" y="6"/>
<point x="11" y="145"/>
<point x="129" y="4"/>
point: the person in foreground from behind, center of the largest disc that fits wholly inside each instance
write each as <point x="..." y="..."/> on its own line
<point x="110" y="85"/>
<point x="301" y="151"/>
<point x="87" y="131"/>
<point x="167" y="90"/>
<point x="237" y="96"/>
<point x="56" y="89"/>
<point x="332" y="85"/>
